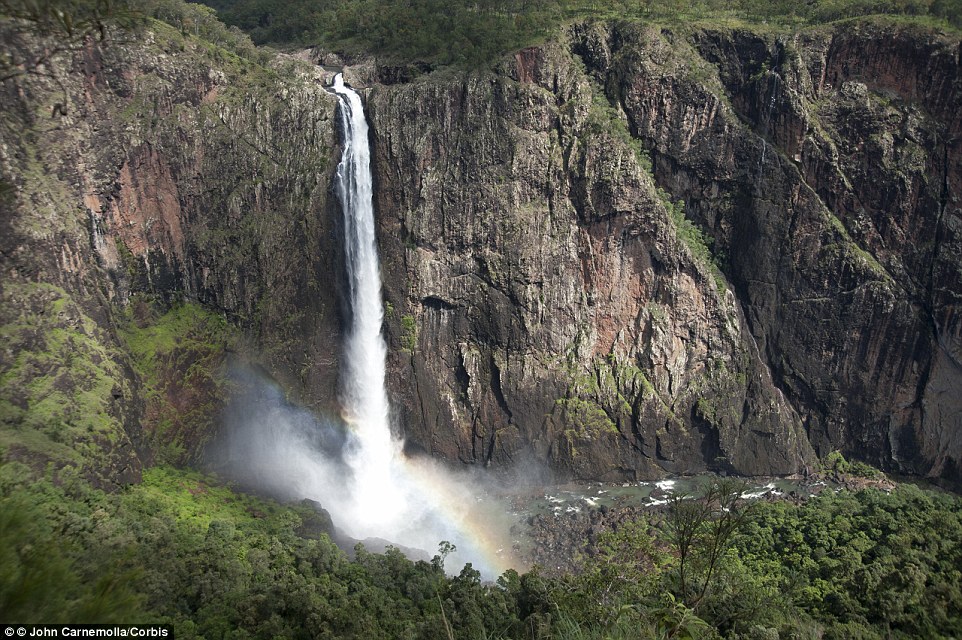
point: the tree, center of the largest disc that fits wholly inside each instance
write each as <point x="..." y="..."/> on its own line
<point x="701" y="531"/>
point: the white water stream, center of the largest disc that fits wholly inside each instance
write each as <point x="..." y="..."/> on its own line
<point x="363" y="396"/>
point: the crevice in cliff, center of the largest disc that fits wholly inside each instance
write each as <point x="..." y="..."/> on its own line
<point x="498" y="391"/>
<point x="422" y="403"/>
<point x="437" y="304"/>
<point x="930" y="301"/>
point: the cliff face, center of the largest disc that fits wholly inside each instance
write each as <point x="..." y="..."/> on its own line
<point x="550" y="296"/>
<point x="172" y="172"/>
<point x="832" y="185"/>
<point x="545" y="301"/>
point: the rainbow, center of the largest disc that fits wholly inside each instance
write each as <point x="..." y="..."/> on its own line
<point x="478" y="526"/>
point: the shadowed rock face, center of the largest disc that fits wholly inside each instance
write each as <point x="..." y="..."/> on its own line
<point x="841" y="231"/>
<point x="542" y="301"/>
<point x="550" y="298"/>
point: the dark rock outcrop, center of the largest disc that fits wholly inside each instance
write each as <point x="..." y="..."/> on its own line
<point x="544" y="302"/>
<point x="832" y="185"/>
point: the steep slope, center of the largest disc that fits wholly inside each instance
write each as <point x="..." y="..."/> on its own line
<point x="551" y="299"/>
<point x="544" y="303"/>
<point x="547" y="305"/>
<point x="837" y="204"/>
<point x="147" y="170"/>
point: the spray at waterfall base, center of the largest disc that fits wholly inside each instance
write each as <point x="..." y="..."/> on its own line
<point x="274" y="446"/>
<point x="355" y="467"/>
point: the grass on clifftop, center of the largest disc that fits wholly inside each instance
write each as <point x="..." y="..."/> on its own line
<point x="472" y="33"/>
<point x="438" y="32"/>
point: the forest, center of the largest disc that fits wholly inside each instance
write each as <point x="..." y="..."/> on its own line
<point x="474" y="33"/>
<point x="184" y="549"/>
<point x="465" y="33"/>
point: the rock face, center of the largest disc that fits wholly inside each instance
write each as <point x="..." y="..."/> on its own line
<point x="173" y="172"/>
<point x="546" y="303"/>
<point x="832" y="184"/>
<point x="551" y="299"/>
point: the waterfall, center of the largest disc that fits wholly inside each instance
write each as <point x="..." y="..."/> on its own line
<point x="416" y="503"/>
<point x="363" y="396"/>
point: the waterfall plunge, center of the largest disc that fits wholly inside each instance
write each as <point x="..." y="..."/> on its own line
<point x="372" y="460"/>
<point x="371" y="490"/>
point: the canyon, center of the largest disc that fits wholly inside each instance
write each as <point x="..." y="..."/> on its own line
<point x="626" y="253"/>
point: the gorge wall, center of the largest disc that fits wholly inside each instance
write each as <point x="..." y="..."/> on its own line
<point x="546" y="301"/>
<point x="177" y="174"/>
<point x="549" y="297"/>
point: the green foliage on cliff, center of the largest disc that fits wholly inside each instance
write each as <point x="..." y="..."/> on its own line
<point x="202" y="22"/>
<point x="60" y="384"/>
<point x="179" y="357"/>
<point x="698" y="242"/>
<point x="837" y="463"/>
<point x="409" y="337"/>
<point x="68" y="24"/>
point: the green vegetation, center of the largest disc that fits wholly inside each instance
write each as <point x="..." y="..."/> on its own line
<point x="42" y="579"/>
<point x="606" y="119"/>
<point x="409" y="333"/>
<point x="202" y="22"/>
<point x="866" y="564"/>
<point x="837" y="463"/>
<point x="179" y="358"/>
<point x="476" y="32"/>
<point x="597" y="398"/>
<point x="62" y="389"/>
<point x="436" y="31"/>
<point x="846" y="565"/>
<point x="67" y="400"/>
<point x="698" y="242"/>
<point x="587" y="419"/>
<point x="69" y="23"/>
<point x="180" y="548"/>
